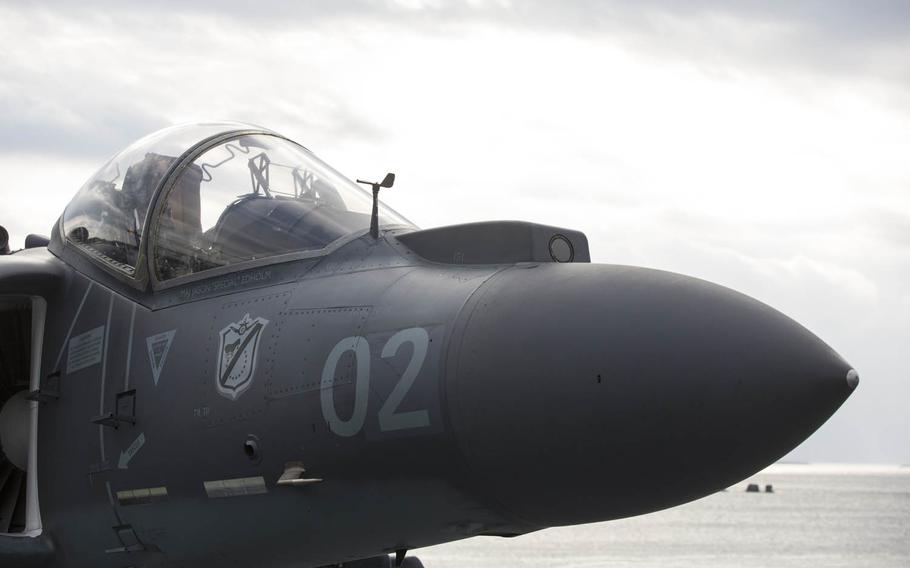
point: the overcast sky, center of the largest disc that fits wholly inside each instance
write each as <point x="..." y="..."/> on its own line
<point x="761" y="145"/>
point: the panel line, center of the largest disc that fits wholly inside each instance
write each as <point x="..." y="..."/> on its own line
<point x="107" y="336"/>
<point x="129" y="351"/>
<point x="72" y="325"/>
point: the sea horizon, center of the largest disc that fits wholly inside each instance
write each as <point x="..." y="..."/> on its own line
<point x="784" y="467"/>
<point x="837" y="515"/>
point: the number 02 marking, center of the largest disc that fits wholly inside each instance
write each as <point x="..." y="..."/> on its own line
<point x="389" y="418"/>
<point x="361" y="351"/>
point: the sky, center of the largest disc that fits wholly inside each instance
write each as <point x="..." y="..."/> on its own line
<point x="761" y="145"/>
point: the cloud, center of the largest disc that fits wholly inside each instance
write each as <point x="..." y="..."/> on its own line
<point x="86" y="109"/>
<point x="831" y="36"/>
<point x="38" y="121"/>
<point x="891" y="226"/>
<point x="88" y="85"/>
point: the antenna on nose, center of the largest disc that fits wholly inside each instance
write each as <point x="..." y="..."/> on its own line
<point x="387" y="181"/>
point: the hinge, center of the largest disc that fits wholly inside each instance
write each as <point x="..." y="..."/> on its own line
<point x="124" y="413"/>
<point x="48" y="390"/>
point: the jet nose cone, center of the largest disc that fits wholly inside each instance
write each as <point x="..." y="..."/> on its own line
<point x="852" y="379"/>
<point x="590" y="392"/>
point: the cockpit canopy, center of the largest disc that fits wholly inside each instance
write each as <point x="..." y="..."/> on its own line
<point x="197" y="197"/>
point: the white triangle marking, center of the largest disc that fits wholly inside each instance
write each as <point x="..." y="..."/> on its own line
<point x="158" y="347"/>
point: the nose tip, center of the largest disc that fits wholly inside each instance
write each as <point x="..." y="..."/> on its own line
<point x="852" y="379"/>
<point x="590" y="392"/>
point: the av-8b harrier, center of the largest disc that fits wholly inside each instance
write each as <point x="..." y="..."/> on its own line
<point x="227" y="354"/>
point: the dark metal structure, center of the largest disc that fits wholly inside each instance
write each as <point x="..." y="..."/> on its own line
<point x="213" y="362"/>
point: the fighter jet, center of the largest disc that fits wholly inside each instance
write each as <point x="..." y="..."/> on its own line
<point x="228" y="354"/>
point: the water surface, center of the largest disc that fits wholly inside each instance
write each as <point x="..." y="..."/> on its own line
<point x="819" y="516"/>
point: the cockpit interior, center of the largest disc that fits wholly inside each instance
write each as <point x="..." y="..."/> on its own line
<point x="197" y="197"/>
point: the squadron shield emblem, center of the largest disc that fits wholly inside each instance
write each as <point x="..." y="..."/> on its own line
<point x="237" y="356"/>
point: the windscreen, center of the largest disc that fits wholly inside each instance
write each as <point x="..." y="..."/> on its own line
<point x="107" y="215"/>
<point x="253" y="197"/>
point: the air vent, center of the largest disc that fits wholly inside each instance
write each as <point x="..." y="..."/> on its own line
<point x="15" y="350"/>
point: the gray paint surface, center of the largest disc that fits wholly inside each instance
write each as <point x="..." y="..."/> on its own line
<point x="440" y="385"/>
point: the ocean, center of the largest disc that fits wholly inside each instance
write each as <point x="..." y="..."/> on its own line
<point x="819" y="516"/>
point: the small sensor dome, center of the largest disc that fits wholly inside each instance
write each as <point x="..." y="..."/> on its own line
<point x="561" y="249"/>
